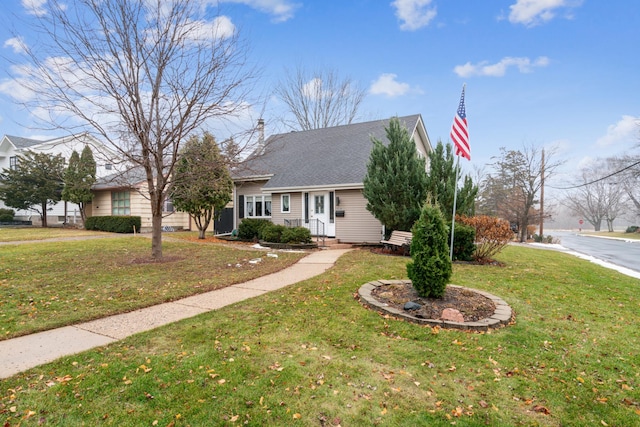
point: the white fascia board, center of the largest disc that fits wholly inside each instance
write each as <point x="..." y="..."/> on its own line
<point x="331" y="187"/>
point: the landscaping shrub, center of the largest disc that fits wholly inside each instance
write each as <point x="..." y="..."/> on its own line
<point x="632" y="229"/>
<point x="492" y="234"/>
<point x="296" y="235"/>
<point x="6" y="215"/>
<point x="272" y="233"/>
<point x="113" y="224"/>
<point x="430" y="268"/>
<point x="249" y="228"/>
<point x="463" y="242"/>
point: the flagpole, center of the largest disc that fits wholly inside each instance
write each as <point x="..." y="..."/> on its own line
<point x="455" y="200"/>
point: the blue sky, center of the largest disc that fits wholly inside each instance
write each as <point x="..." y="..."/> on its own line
<point x="561" y="73"/>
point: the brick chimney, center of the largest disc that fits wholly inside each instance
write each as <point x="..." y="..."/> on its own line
<point x="261" y="132"/>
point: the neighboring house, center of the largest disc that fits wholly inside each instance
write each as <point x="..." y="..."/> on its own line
<point x="127" y="194"/>
<point x="12" y="146"/>
<point x="315" y="179"/>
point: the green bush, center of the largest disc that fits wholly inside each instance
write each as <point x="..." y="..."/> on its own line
<point x="6" y="215"/>
<point x="249" y="228"/>
<point x="272" y="233"/>
<point x="632" y="229"/>
<point x="430" y="268"/>
<point x="463" y="242"/>
<point x="296" y="235"/>
<point x="113" y="224"/>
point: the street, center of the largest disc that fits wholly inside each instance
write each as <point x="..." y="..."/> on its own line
<point x="619" y="252"/>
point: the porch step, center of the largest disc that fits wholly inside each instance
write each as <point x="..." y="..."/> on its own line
<point x="334" y="244"/>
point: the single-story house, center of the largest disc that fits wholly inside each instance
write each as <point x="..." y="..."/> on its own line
<point x="127" y="194"/>
<point x="315" y="179"/>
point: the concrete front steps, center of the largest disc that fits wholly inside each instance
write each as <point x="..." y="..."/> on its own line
<point x="330" y="243"/>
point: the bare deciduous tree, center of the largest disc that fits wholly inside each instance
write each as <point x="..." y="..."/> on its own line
<point x="319" y="99"/>
<point x="142" y="75"/>
<point x="511" y="191"/>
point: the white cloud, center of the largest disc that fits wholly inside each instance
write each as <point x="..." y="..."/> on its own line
<point x="35" y="7"/>
<point x="627" y="129"/>
<point x="281" y="10"/>
<point x="387" y="85"/>
<point x="220" y="28"/>
<point x="499" y="69"/>
<point x="534" y="12"/>
<point x="15" y="43"/>
<point x="414" y="14"/>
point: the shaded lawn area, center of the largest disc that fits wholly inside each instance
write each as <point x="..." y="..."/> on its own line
<point x="51" y="284"/>
<point x="311" y="355"/>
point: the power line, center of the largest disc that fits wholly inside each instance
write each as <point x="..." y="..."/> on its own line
<point x="596" y="180"/>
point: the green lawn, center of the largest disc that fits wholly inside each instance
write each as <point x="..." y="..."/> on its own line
<point x="312" y="355"/>
<point x="51" y="284"/>
<point x="618" y="234"/>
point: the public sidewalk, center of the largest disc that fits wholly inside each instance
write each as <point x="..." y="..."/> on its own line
<point x="22" y="353"/>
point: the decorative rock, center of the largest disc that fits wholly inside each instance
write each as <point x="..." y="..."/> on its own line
<point x="452" y="315"/>
<point x="410" y="305"/>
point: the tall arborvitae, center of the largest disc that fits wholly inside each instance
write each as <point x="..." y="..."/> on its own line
<point x="79" y="177"/>
<point x="441" y="181"/>
<point x="395" y="184"/>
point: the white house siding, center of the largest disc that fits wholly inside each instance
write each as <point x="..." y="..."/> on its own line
<point x="63" y="146"/>
<point x="295" y="206"/>
<point x="358" y="224"/>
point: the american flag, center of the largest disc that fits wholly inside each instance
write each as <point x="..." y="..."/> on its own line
<point x="460" y="132"/>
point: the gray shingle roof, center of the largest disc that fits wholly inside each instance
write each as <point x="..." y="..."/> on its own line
<point x="320" y="157"/>
<point x="21" y="142"/>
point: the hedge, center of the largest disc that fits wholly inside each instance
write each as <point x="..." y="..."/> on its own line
<point x="113" y="224"/>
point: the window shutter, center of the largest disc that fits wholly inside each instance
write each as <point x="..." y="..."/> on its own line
<point x="240" y="206"/>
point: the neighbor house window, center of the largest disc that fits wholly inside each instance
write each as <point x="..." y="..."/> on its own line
<point x="258" y="206"/>
<point x="285" y="203"/>
<point x="120" y="203"/>
<point x="168" y="205"/>
<point x="13" y="163"/>
<point x="108" y="166"/>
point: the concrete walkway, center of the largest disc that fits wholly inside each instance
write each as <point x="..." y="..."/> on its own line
<point x="20" y="354"/>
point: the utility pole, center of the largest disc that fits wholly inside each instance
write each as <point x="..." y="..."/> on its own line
<point x="542" y="196"/>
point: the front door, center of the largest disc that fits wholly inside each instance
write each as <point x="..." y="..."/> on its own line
<point x="319" y="208"/>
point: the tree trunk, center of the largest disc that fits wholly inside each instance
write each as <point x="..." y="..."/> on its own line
<point x="156" y="236"/>
<point x="43" y="215"/>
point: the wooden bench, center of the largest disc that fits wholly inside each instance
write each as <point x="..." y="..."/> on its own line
<point x="399" y="239"/>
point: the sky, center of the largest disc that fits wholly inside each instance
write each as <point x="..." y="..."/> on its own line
<point x="549" y="73"/>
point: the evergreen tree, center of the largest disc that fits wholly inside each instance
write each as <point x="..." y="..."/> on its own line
<point x="79" y="178"/>
<point x="395" y="184"/>
<point x="441" y="182"/>
<point x="430" y="268"/>
<point x="34" y="184"/>
<point x="202" y="184"/>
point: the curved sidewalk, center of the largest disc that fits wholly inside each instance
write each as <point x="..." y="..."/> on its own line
<point x="22" y="353"/>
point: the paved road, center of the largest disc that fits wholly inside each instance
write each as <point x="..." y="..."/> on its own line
<point x="619" y="252"/>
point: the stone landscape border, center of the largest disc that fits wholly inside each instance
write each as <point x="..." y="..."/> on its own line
<point x="501" y="316"/>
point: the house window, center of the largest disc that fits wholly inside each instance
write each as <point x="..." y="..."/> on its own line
<point x="257" y="206"/>
<point x="120" y="203"/>
<point x="13" y="163"/>
<point x="285" y="201"/>
<point x="319" y="202"/>
<point x="108" y="166"/>
<point x="167" y="206"/>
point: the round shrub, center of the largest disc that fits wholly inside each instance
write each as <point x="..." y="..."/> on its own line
<point x="430" y="268"/>
<point x="296" y="235"/>
<point x="272" y="233"/>
<point x="463" y="242"/>
<point x="249" y="228"/>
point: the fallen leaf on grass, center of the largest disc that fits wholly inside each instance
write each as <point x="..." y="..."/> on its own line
<point x="297" y="416"/>
<point x="541" y="409"/>
<point x="483" y="404"/>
